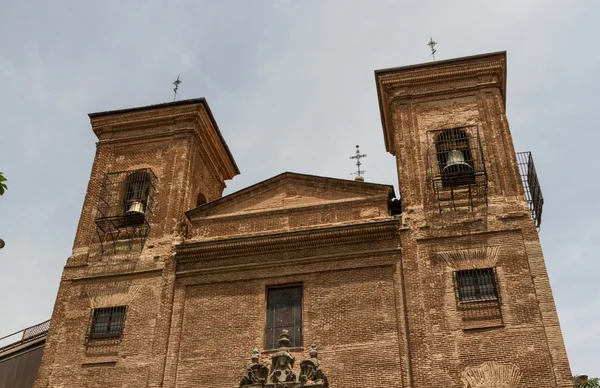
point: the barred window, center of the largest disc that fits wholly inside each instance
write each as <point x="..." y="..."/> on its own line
<point x="107" y="322"/>
<point x="455" y="157"/>
<point x="136" y="191"/>
<point x="476" y="285"/>
<point x="284" y="311"/>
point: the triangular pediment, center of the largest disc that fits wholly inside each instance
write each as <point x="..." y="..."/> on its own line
<point x="291" y="190"/>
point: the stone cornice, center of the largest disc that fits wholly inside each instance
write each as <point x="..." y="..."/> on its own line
<point x="202" y="250"/>
<point x="437" y="78"/>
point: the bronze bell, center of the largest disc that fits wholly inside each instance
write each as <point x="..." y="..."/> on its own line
<point x="456" y="164"/>
<point x="136" y="208"/>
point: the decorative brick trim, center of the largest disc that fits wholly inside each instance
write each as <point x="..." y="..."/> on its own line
<point x="470" y="258"/>
<point x="491" y="374"/>
<point x="286" y="241"/>
<point x="113" y="296"/>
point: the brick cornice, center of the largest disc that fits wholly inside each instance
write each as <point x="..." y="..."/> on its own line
<point x="335" y="204"/>
<point x="156" y="122"/>
<point x="404" y="84"/>
<point x="365" y="188"/>
<point x="203" y="250"/>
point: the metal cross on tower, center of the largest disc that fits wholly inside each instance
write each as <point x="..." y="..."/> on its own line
<point x="176" y="83"/>
<point x="432" y="44"/>
<point x="358" y="172"/>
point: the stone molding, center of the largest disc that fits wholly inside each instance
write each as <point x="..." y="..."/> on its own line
<point x="197" y="251"/>
<point x="463" y="259"/>
<point x="491" y="374"/>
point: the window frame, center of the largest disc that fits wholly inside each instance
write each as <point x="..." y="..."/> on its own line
<point x="297" y="324"/>
<point x="111" y="312"/>
<point x="477" y="295"/>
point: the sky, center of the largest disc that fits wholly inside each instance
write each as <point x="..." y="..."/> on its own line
<point x="291" y="86"/>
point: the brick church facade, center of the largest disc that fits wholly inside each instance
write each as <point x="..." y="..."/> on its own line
<point x="172" y="285"/>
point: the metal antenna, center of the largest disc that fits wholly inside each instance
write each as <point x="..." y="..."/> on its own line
<point x="358" y="172"/>
<point x="431" y="45"/>
<point x="176" y="83"/>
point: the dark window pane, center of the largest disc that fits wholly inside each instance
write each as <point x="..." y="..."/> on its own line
<point x="108" y="322"/>
<point x="476" y="284"/>
<point x="284" y="311"/>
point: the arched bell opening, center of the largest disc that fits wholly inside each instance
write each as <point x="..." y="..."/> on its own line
<point x="136" y="191"/>
<point x="455" y="158"/>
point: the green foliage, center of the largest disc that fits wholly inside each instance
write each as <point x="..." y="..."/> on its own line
<point x="2" y="184"/>
<point x="590" y="383"/>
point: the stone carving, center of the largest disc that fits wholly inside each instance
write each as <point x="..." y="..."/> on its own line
<point x="282" y="365"/>
<point x="491" y="374"/>
<point x="282" y="374"/>
<point x="257" y="372"/>
<point x="310" y="372"/>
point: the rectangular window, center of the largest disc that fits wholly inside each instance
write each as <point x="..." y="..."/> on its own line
<point x="476" y="285"/>
<point x="107" y="322"/>
<point x="284" y="311"/>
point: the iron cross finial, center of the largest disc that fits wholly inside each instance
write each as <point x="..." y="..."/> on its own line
<point x="358" y="157"/>
<point x="431" y="45"/>
<point x="176" y="83"/>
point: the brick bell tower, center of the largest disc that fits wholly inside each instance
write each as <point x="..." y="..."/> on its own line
<point x="152" y="164"/>
<point x="479" y="308"/>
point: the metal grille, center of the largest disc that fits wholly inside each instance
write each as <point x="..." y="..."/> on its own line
<point x="476" y="285"/>
<point x="531" y="185"/>
<point x="125" y="205"/>
<point x="284" y="311"/>
<point x="478" y="300"/>
<point x="107" y="322"/>
<point x="456" y="168"/>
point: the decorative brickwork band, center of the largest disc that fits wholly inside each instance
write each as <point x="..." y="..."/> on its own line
<point x="464" y="259"/>
<point x="113" y="296"/>
<point x="491" y="374"/>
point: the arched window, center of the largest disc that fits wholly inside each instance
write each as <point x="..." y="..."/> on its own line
<point x="455" y="158"/>
<point x="135" y="196"/>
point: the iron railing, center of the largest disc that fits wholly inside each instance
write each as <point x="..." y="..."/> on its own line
<point x="22" y="337"/>
<point x="125" y="205"/>
<point x="531" y="185"/>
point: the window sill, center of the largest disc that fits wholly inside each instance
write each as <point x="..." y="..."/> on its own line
<point x="466" y="302"/>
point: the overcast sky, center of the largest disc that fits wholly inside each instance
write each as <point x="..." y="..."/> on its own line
<point x="291" y="85"/>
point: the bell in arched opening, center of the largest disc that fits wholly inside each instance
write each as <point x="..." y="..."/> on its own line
<point x="137" y="188"/>
<point x="455" y="158"/>
<point x="456" y="164"/>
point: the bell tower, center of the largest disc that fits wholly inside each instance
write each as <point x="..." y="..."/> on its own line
<point x="477" y="295"/>
<point x="152" y="164"/>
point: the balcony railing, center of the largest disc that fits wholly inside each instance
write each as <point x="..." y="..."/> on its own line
<point x="22" y="337"/>
<point x="531" y="185"/>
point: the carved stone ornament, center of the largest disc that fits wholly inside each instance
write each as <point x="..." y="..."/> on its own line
<point x="282" y="372"/>
<point x="491" y="374"/>
<point x="256" y="373"/>
<point x="310" y="372"/>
